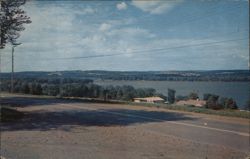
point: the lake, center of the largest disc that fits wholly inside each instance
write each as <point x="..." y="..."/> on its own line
<point x="240" y="91"/>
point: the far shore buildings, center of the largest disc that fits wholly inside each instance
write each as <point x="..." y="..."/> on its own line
<point x="149" y="100"/>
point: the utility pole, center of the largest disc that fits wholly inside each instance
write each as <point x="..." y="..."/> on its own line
<point x="12" y="64"/>
<point x="12" y="72"/>
<point x="0" y="76"/>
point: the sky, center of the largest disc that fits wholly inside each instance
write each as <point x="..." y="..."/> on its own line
<point x="132" y="36"/>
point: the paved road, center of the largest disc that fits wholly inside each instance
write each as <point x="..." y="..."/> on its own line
<point x="54" y="128"/>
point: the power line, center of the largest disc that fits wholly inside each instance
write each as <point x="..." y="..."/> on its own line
<point x="144" y="52"/>
<point x="157" y="49"/>
<point x="147" y="51"/>
<point x="207" y="37"/>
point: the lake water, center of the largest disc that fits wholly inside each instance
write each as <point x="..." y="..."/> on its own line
<point x="240" y="91"/>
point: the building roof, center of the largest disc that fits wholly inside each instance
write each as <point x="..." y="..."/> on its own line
<point x="150" y="99"/>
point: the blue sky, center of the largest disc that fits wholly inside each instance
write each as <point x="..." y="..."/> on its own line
<point x="147" y="35"/>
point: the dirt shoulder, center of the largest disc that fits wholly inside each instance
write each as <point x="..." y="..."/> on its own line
<point x="117" y="104"/>
<point x="58" y="128"/>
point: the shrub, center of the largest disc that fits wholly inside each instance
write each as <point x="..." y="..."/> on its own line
<point x="212" y="102"/>
<point x="206" y="96"/>
<point x="228" y="103"/>
<point x="193" y="95"/>
<point x="179" y="97"/>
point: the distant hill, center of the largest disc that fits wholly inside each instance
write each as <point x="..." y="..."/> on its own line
<point x="215" y="75"/>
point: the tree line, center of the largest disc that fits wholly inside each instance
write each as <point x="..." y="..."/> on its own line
<point x="69" y="87"/>
<point x="213" y="101"/>
<point x="77" y="88"/>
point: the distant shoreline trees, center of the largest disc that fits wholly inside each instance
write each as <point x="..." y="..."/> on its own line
<point x="219" y="75"/>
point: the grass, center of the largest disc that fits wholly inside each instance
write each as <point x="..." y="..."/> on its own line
<point x="223" y="112"/>
<point x="9" y="114"/>
<point x="186" y="108"/>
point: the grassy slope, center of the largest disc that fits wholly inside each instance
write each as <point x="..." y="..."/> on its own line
<point x="224" y="112"/>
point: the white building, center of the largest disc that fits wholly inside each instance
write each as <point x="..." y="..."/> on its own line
<point x="149" y="100"/>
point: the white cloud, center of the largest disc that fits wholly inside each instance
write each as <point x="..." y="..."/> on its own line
<point x="121" y="6"/>
<point x="60" y="31"/>
<point x="155" y="7"/>
<point x="104" y="27"/>
<point x="116" y="40"/>
<point x="131" y="32"/>
<point x="122" y="21"/>
<point x="88" y="10"/>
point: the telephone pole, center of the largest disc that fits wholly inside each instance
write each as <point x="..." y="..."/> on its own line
<point x="12" y="64"/>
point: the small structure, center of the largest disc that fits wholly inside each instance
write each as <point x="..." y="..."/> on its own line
<point x="197" y="103"/>
<point x="149" y="100"/>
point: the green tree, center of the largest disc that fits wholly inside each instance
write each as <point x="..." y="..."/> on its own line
<point x="12" y="18"/>
<point x="228" y="103"/>
<point x="212" y="102"/>
<point x="193" y="95"/>
<point x="247" y="106"/>
<point x="128" y="92"/>
<point x="38" y="89"/>
<point x="25" y="88"/>
<point x="206" y="96"/>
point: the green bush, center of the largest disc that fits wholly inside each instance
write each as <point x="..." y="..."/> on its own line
<point x="212" y="102"/>
<point x="228" y="103"/>
<point x="193" y="95"/>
